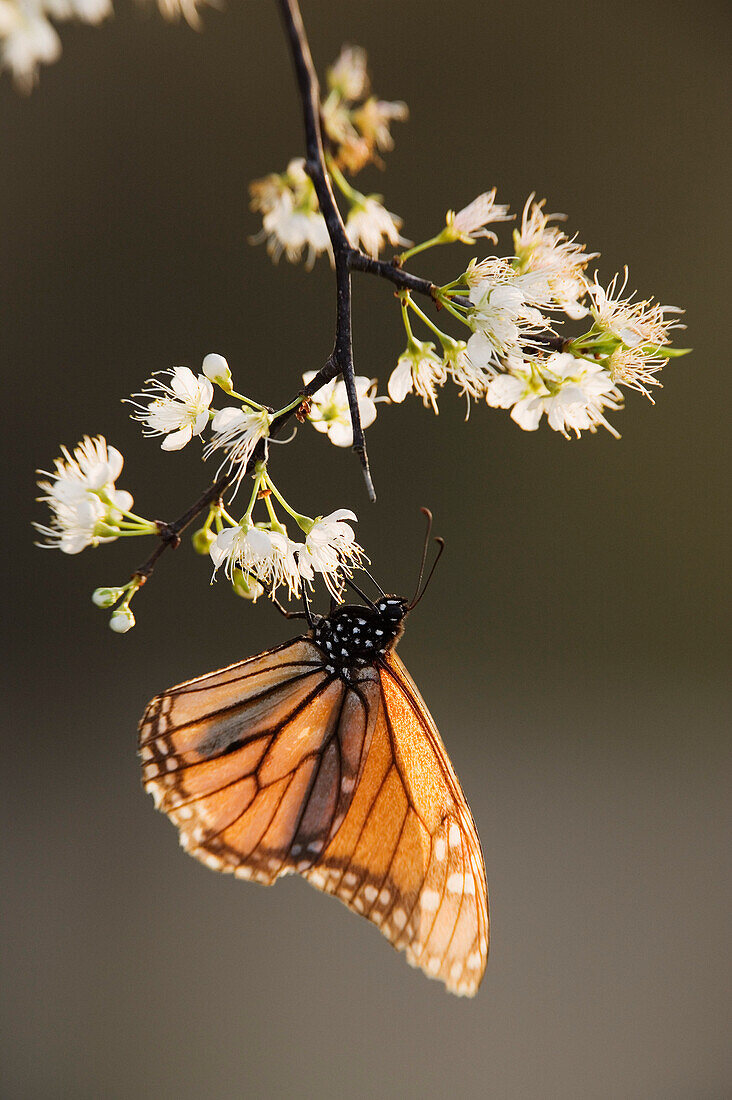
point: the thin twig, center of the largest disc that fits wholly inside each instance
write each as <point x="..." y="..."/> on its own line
<point x="170" y="532"/>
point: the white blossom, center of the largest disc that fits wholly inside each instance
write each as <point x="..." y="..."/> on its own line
<point x="330" y="411"/>
<point x="545" y="250"/>
<point x="374" y="118"/>
<point x="330" y="549"/>
<point x="419" y="370"/>
<point x="267" y="556"/>
<point x="471" y="379"/>
<point x="29" y="39"/>
<point x="236" y="432"/>
<point x="469" y="223"/>
<point x="84" y="502"/>
<point x="504" y="312"/>
<point x="187" y="9"/>
<point x="179" y="408"/>
<point x="348" y="76"/>
<point x="369" y="225"/>
<point x="634" y="368"/>
<point x="572" y="392"/>
<point x="291" y="219"/>
<point x="633" y="323"/>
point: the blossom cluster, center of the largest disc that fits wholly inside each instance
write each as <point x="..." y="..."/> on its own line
<point x="357" y="123"/>
<point x="514" y="354"/>
<point x="358" y="128"/>
<point x="514" y="357"/>
<point x="28" y="36"/>
<point x="257" y="555"/>
<point x="86" y="506"/>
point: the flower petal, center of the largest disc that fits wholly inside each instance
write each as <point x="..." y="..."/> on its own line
<point x="176" y="440"/>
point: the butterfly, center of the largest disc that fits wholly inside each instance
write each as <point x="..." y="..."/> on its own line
<point x="319" y="757"/>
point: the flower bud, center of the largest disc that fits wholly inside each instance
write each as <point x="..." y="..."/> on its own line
<point x="122" y="620"/>
<point x="202" y="540"/>
<point x="247" y="587"/>
<point x="217" y="370"/>
<point x="106" y="597"/>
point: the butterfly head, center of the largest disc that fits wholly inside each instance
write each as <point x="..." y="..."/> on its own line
<point x="354" y="636"/>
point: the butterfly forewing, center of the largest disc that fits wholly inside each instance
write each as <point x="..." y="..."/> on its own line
<point x="276" y="765"/>
<point x="256" y="764"/>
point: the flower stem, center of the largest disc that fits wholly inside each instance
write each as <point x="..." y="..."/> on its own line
<point x="304" y="522"/>
<point x="415" y="249"/>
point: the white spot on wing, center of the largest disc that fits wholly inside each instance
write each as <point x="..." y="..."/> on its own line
<point x="429" y="900"/>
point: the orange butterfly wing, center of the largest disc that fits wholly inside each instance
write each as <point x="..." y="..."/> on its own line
<point x="407" y="855"/>
<point x="256" y="763"/>
<point x="272" y="766"/>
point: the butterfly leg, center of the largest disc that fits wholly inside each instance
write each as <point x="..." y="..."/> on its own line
<point x="287" y="614"/>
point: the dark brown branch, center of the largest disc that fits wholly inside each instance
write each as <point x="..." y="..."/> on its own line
<point x="346" y="258"/>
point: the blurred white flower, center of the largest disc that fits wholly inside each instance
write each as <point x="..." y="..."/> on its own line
<point x="469" y="223"/>
<point x="28" y="39"/>
<point x="330" y="411"/>
<point x="545" y="250"/>
<point x="348" y="76"/>
<point x="291" y="219"/>
<point x="572" y="392"/>
<point x="187" y="9"/>
<point x="374" y="118"/>
<point x="236" y="432"/>
<point x="369" y="225"/>
<point x="179" y="408"/>
<point x="331" y="550"/>
<point x="419" y="370"/>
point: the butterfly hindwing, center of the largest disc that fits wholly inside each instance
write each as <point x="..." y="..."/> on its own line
<point x="407" y="855"/>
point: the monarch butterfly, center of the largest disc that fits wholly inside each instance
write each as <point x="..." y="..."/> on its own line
<point x="320" y="757"/>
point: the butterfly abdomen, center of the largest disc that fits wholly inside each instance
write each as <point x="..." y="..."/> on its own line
<point x="353" y="637"/>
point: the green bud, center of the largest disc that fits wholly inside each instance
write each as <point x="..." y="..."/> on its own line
<point x="202" y="540"/>
<point x="217" y="370"/>
<point x="246" y="586"/>
<point x="106" y="597"/>
<point x="122" y="620"/>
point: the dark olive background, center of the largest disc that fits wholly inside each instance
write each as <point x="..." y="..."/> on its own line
<point x="573" y="646"/>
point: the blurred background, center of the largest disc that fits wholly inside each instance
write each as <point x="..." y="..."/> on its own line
<point x="573" y="646"/>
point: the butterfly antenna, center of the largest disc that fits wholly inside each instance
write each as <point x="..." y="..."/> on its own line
<point x="425" y="512"/>
<point x="363" y="595"/>
<point x="373" y="580"/>
<point x="441" y="543"/>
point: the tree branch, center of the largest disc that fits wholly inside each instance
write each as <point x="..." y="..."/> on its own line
<point x="346" y="259"/>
